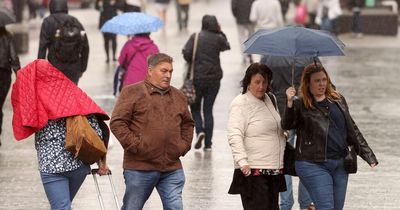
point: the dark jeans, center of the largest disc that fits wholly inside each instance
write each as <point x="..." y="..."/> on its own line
<point x="182" y="11"/>
<point x="109" y="37"/>
<point x="356" y="21"/>
<point x="5" y="83"/>
<point x="206" y="93"/>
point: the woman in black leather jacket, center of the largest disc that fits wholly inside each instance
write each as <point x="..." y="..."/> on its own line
<point x="8" y="60"/>
<point x="324" y="129"/>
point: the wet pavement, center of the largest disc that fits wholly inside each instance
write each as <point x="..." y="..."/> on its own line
<point x="367" y="76"/>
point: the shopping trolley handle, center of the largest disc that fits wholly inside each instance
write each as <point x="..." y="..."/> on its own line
<point x="95" y="170"/>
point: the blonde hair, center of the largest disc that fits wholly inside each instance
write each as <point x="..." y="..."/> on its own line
<point x="330" y="92"/>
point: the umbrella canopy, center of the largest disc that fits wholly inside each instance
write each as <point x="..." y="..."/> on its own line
<point x="294" y="41"/>
<point x="6" y="17"/>
<point x="131" y="23"/>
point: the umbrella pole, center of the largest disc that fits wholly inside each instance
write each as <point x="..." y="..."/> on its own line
<point x="293" y="72"/>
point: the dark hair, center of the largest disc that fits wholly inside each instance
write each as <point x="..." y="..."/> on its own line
<point x="143" y="34"/>
<point x="154" y="60"/>
<point x="330" y="91"/>
<point x="253" y="69"/>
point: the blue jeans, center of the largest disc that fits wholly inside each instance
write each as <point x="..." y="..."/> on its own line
<point x="325" y="181"/>
<point x="206" y="92"/>
<point x="140" y="184"/>
<point x="61" y="188"/>
<point x="286" y="197"/>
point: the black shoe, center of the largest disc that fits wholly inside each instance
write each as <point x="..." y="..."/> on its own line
<point x="108" y="60"/>
<point x="200" y="138"/>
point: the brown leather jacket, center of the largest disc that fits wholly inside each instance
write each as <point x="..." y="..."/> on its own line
<point x="154" y="128"/>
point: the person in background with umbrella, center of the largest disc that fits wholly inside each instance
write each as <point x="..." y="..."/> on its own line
<point x="8" y="61"/>
<point x="107" y="10"/>
<point x="133" y="57"/>
<point x="324" y="129"/>
<point x="207" y="76"/>
<point x="283" y="78"/>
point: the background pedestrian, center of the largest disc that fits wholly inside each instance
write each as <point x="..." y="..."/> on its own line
<point x="107" y="10"/>
<point x="356" y="7"/>
<point x="70" y="57"/>
<point x="8" y="61"/>
<point x="266" y="14"/>
<point x="207" y="76"/>
<point x="134" y="56"/>
<point x="241" y="12"/>
<point x="182" y="13"/>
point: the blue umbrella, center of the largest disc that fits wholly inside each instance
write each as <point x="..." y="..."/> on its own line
<point x="131" y="23"/>
<point x="294" y="41"/>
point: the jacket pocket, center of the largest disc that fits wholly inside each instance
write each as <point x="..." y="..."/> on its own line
<point x="176" y="149"/>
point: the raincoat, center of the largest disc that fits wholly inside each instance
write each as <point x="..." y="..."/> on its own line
<point x="134" y="58"/>
<point x="41" y="93"/>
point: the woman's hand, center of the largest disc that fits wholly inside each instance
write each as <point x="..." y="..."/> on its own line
<point x="246" y="170"/>
<point x="103" y="168"/>
<point x="373" y="165"/>
<point x="290" y="93"/>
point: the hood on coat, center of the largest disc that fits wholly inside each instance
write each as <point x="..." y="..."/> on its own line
<point x="58" y="6"/>
<point x="210" y="23"/>
<point x="141" y="43"/>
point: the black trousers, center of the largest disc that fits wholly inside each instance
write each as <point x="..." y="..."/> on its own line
<point x="261" y="192"/>
<point x="110" y="38"/>
<point x="5" y="83"/>
<point x="182" y="15"/>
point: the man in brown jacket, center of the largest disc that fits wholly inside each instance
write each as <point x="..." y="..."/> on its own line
<point x="152" y="122"/>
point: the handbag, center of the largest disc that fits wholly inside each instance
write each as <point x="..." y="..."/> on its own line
<point x="188" y="87"/>
<point x="350" y="160"/>
<point x="289" y="158"/>
<point x="83" y="141"/>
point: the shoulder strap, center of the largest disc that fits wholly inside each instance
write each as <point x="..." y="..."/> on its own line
<point x="196" y="39"/>
<point x="273" y="99"/>
<point x="126" y="64"/>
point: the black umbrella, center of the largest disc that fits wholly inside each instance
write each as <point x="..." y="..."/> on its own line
<point x="6" y="17"/>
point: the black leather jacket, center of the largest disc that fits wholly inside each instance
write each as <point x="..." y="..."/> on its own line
<point x="312" y="132"/>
